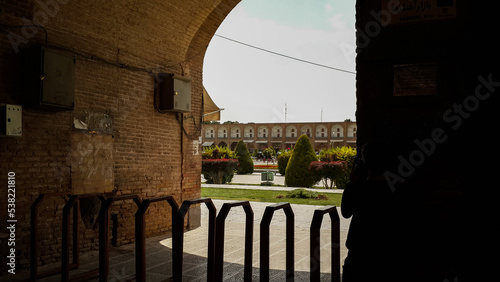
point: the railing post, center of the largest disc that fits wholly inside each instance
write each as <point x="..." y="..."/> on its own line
<point x="219" y="243"/>
<point x="140" y="230"/>
<point x="73" y="202"/>
<point x="34" y="238"/>
<point x="264" y="241"/>
<point x="178" y="237"/>
<point x="104" y="233"/>
<point x="65" y="239"/>
<point x="315" y="271"/>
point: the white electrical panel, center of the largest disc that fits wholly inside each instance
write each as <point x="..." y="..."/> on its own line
<point x="12" y="123"/>
<point x="182" y="94"/>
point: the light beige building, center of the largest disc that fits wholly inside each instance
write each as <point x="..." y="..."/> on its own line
<point x="323" y="135"/>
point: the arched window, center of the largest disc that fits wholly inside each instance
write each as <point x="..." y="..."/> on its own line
<point x="337" y="131"/>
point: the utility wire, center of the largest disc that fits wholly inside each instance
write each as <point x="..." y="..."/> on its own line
<point x="282" y="55"/>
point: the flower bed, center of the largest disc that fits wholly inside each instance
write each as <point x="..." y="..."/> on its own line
<point x="265" y="166"/>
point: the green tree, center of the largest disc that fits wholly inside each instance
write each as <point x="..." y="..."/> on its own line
<point x="297" y="172"/>
<point x="283" y="159"/>
<point x="244" y="158"/>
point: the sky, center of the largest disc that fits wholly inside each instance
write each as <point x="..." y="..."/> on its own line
<point x="254" y="86"/>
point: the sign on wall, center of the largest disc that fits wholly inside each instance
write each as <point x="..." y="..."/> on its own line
<point x="91" y="163"/>
<point x="412" y="11"/>
<point x="415" y="80"/>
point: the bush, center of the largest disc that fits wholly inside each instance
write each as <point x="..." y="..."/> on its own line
<point x="218" y="171"/>
<point x="283" y="161"/>
<point x="218" y="165"/>
<point x="302" y="193"/>
<point x="297" y="172"/>
<point x="244" y="158"/>
<point x="218" y="153"/>
<point x="328" y="171"/>
<point x="344" y="154"/>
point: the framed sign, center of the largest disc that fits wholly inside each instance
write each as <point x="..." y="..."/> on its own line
<point x="415" y="79"/>
<point x="412" y="11"/>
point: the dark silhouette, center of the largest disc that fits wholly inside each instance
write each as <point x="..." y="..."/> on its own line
<point x="372" y="232"/>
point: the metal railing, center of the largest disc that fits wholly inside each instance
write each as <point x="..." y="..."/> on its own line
<point x="219" y="243"/>
<point x="216" y="235"/>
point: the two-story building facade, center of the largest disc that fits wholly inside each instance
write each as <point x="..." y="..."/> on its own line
<point x="258" y="136"/>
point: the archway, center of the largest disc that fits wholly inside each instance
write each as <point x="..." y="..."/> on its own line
<point x="255" y="84"/>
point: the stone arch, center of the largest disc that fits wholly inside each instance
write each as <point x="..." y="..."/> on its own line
<point x="263" y="132"/>
<point x="291" y="131"/>
<point x="337" y="131"/>
<point x="236" y="132"/>
<point x="277" y="131"/>
<point x="352" y="130"/>
<point x="321" y="131"/>
<point x="209" y="132"/>
<point x="249" y="132"/>
<point x="307" y="130"/>
<point x="222" y="132"/>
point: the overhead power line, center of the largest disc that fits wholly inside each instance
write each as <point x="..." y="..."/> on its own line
<point x="285" y="56"/>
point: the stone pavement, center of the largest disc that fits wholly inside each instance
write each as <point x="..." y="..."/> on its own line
<point x="158" y="253"/>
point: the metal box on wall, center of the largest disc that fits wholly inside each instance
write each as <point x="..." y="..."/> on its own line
<point x="174" y="93"/>
<point x="48" y="79"/>
<point x="11" y="125"/>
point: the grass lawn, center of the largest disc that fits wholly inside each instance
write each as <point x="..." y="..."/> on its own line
<point x="267" y="196"/>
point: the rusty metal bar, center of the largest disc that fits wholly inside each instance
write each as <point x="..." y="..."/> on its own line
<point x="140" y="232"/>
<point x="219" y="239"/>
<point x="73" y="202"/>
<point x="264" y="241"/>
<point x="315" y="243"/>
<point x="34" y="237"/>
<point x="104" y="232"/>
<point x="178" y="238"/>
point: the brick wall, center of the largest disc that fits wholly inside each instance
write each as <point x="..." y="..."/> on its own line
<point x="152" y="155"/>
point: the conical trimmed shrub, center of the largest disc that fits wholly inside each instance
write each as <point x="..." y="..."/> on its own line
<point x="297" y="172"/>
<point x="246" y="162"/>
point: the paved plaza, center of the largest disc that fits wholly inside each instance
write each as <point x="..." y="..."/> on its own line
<point x="159" y="249"/>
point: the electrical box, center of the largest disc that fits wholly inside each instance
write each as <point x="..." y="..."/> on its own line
<point x="174" y="93"/>
<point x="12" y="122"/>
<point x="48" y="79"/>
<point x="267" y="176"/>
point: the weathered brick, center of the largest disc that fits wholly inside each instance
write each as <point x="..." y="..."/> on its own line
<point x="146" y="146"/>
